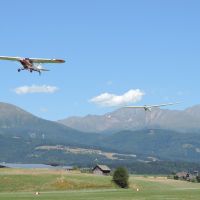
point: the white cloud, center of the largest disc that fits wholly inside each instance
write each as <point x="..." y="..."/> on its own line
<point x="107" y="99"/>
<point x="35" y="89"/>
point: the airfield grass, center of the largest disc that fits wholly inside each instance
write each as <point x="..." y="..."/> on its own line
<point x="61" y="185"/>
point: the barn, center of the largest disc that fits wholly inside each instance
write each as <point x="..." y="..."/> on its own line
<point x="101" y="170"/>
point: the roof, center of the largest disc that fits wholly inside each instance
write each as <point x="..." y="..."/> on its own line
<point x="68" y="167"/>
<point x="182" y="174"/>
<point x="103" y="167"/>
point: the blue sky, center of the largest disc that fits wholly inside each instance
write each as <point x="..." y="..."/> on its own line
<point x="110" y="46"/>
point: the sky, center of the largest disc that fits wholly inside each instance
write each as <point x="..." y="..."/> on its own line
<point x="117" y="52"/>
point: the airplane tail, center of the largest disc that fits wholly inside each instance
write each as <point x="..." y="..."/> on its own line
<point x="43" y="69"/>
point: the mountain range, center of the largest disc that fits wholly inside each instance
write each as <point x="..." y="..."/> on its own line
<point x="137" y="119"/>
<point x="123" y="136"/>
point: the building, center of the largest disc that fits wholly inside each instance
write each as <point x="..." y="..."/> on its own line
<point x="101" y="170"/>
<point x="196" y="173"/>
<point x="68" y="168"/>
<point x="182" y="175"/>
<point x="186" y="176"/>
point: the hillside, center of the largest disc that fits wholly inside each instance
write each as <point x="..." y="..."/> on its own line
<point x="17" y="123"/>
<point x="21" y="132"/>
<point x="28" y="139"/>
<point x="157" y="144"/>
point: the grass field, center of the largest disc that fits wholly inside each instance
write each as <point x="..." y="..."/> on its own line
<point x="60" y="185"/>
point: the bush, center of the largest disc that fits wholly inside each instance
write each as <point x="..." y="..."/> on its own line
<point x="198" y="179"/>
<point x="120" y="177"/>
<point x="176" y="177"/>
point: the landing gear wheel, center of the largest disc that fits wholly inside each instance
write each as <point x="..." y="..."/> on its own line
<point x="19" y="70"/>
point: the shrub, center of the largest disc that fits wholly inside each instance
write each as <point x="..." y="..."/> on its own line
<point x="120" y="177"/>
<point x="198" y="179"/>
<point x="176" y="177"/>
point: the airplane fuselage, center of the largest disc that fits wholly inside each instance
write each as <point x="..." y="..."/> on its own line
<point x="28" y="65"/>
<point x="147" y="108"/>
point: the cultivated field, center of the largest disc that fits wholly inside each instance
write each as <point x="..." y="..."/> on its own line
<point x="60" y="185"/>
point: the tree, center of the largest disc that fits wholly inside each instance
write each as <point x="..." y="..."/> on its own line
<point x="120" y="177"/>
<point x="176" y="177"/>
<point x="198" y="179"/>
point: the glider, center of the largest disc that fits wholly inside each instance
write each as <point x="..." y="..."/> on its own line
<point x="32" y="64"/>
<point x="149" y="107"/>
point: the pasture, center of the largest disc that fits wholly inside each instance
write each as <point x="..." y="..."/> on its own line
<point x="61" y="185"/>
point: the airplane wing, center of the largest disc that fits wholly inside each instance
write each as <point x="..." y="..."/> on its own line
<point x="151" y="106"/>
<point x="165" y="104"/>
<point x="10" y="58"/>
<point x="134" y="106"/>
<point x="41" y="60"/>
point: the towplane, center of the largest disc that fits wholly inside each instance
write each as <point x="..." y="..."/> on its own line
<point x="32" y="64"/>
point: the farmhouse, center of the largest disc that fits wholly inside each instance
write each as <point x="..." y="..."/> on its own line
<point x="68" y="168"/>
<point x="101" y="170"/>
<point x="182" y="175"/>
<point x="186" y="175"/>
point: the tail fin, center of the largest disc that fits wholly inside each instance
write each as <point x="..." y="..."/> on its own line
<point x="43" y="69"/>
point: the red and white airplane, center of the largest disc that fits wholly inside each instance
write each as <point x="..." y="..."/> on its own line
<point x="32" y="64"/>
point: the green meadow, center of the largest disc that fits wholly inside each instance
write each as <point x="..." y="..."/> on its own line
<point x="60" y="185"/>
